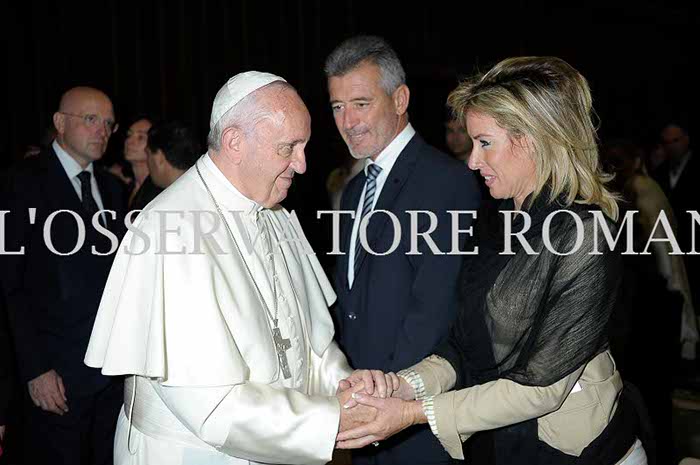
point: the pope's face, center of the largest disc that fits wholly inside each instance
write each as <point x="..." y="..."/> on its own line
<point x="274" y="150"/>
<point x="366" y="116"/>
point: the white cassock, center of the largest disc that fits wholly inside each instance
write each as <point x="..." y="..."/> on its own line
<point x="185" y="321"/>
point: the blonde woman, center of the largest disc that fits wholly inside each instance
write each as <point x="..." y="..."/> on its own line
<point x="528" y="355"/>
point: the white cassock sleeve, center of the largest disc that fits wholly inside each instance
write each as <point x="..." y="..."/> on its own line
<point x="264" y="424"/>
<point x="258" y="422"/>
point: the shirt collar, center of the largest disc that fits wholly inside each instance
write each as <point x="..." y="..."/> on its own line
<point x="249" y="206"/>
<point x="71" y="167"/>
<point x="387" y="157"/>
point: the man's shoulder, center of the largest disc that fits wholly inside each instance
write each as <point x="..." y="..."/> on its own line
<point x="435" y="168"/>
<point x="432" y="158"/>
<point x="25" y="175"/>
<point x="108" y="180"/>
<point x="661" y="171"/>
<point x="31" y="166"/>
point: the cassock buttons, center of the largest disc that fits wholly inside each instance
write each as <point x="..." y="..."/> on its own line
<point x="352" y="316"/>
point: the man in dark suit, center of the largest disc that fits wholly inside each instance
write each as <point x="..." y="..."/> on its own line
<point x="52" y="290"/>
<point x="678" y="176"/>
<point x="393" y="308"/>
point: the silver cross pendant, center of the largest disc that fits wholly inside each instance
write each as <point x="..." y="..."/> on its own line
<point x="281" y="346"/>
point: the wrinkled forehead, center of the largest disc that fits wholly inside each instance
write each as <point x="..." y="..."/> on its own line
<point x="286" y="107"/>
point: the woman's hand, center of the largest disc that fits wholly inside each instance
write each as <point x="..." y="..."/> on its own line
<point x="393" y="415"/>
<point x="376" y="383"/>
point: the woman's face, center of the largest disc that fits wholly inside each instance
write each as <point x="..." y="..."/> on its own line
<point x="136" y="140"/>
<point x="504" y="162"/>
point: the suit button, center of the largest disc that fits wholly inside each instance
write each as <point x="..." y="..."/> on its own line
<point x="352" y="316"/>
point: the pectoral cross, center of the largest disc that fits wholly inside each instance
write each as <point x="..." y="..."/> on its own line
<point x="281" y="346"/>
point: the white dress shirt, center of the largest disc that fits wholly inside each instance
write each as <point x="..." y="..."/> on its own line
<point x="386" y="160"/>
<point x="73" y="169"/>
<point x="675" y="174"/>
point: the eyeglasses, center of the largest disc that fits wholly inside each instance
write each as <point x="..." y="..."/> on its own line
<point x="92" y="121"/>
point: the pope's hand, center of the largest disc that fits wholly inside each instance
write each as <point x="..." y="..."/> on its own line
<point x="393" y="415"/>
<point x="47" y="392"/>
<point x="353" y="417"/>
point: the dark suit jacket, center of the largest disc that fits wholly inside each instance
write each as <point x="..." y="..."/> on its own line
<point x="683" y="197"/>
<point x="6" y="364"/>
<point x="400" y="305"/>
<point x="52" y="300"/>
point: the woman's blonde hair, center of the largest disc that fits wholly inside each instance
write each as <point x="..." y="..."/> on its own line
<point x="546" y="99"/>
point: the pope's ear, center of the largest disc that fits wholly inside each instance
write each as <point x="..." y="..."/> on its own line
<point x="231" y="141"/>
<point x="401" y="96"/>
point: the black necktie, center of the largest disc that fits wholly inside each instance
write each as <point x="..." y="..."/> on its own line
<point x="89" y="204"/>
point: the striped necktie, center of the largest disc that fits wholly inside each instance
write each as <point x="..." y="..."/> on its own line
<point x="373" y="171"/>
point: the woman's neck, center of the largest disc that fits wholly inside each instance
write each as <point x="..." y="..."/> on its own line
<point x="140" y="169"/>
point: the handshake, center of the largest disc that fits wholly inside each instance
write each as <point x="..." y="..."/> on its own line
<point x="375" y="406"/>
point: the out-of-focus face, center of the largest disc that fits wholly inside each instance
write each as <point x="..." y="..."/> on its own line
<point x="507" y="167"/>
<point x="675" y="142"/>
<point x="368" y="119"/>
<point x="136" y="140"/>
<point x="84" y="124"/>
<point x="274" y="150"/>
<point x="156" y="167"/>
<point x="457" y="139"/>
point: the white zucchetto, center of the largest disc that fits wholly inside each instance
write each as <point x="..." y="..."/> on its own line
<point x="236" y="89"/>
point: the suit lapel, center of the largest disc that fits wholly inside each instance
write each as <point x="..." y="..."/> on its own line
<point x="59" y="190"/>
<point x="398" y="176"/>
<point x="351" y="197"/>
<point x="109" y="200"/>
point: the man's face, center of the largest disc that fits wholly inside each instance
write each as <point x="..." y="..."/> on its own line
<point x="274" y="150"/>
<point x="136" y="139"/>
<point x="675" y="142"/>
<point x="85" y="142"/>
<point x="457" y="139"/>
<point x="365" y="115"/>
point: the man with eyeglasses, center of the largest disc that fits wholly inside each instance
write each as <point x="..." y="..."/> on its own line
<point x="52" y="291"/>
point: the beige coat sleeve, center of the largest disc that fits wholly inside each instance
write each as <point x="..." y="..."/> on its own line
<point x="460" y="414"/>
<point x="436" y="373"/>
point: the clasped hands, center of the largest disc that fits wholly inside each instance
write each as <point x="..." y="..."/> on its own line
<point x="375" y="406"/>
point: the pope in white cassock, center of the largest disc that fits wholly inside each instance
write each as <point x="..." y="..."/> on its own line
<point x="216" y="309"/>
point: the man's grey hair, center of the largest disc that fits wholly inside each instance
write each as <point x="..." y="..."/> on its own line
<point x="244" y="115"/>
<point x="357" y="50"/>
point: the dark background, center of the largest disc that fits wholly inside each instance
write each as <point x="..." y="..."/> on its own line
<point x="168" y="59"/>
